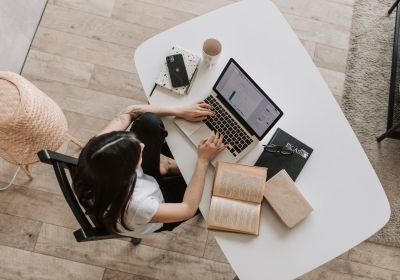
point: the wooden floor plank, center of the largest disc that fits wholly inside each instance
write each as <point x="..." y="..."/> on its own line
<point x="160" y="240"/>
<point x="344" y="256"/>
<point x="191" y="6"/>
<point x="83" y="128"/>
<point x="334" y="80"/>
<point x="19" y="264"/>
<point x="4" y="203"/>
<point x="117" y="82"/>
<point x="315" y="274"/>
<point x="18" y="232"/>
<point x="344" y="2"/>
<point x="84" y="121"/>
<point x="323" y="273"/>
<point x="149" y="15"/>
<point x="360" y="270"/>
<point x="95" y="27"/>
<point x="339" y="100"/>
<point x="84" y="49"/>
<point x="189" y="240"/>
<point x="377" y="255"/>
<point x="330" y="58"/>
<point x="310" y="47"/>
<point x="98" y="7"/>
<point x="80" y="100"/>
<point x="185" y="239"/>
<point x="213" y="251"/>
<point x="82" y="134"/>
<point x="74" y="151"/>
<point x="321" y="10"/>
<point x="197" y="220"/>
<point x="124" y="256"/>
<point x="319" y="32"/>
<point x="58" y="68"/>
<point x="44" y="178"/>
<point x="38" y="206"/>
<point x="110" y="274"/>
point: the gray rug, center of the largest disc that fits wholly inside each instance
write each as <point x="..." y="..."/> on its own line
<point x="365" y="101"/>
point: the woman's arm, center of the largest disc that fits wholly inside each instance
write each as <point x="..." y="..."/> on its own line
<point x="194" y="112"/>
<point x="174" y="212"/>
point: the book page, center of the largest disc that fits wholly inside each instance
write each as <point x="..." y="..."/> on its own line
<point x="234" y="215"/>
<point x="240" y="182"/>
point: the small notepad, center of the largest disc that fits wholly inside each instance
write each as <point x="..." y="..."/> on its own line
<point x="286" y="199"/>
<point x="191" y="62"/>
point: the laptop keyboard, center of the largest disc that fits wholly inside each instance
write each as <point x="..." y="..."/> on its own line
<point x="223" y="123"/>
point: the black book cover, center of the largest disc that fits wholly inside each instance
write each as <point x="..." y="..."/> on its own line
<point x="293" y="163"/>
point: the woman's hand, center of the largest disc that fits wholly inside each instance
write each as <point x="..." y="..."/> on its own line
<point x="210" y="147"/>
<point x="195" y="112"/>
<point x="173" y="212"/>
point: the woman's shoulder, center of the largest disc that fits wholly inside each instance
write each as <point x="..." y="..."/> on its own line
<point x="146" y="188"/>
<point x="139" y="172"/>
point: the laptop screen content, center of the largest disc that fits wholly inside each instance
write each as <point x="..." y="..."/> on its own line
<point x="247" y="99"/>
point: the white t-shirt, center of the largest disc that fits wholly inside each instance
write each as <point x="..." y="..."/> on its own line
<point x="144" y="204"/>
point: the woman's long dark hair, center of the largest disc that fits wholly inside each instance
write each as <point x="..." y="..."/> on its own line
<point x="106" y="176"/>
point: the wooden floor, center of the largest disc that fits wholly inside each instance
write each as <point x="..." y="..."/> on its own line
<point x="82" y="57"/>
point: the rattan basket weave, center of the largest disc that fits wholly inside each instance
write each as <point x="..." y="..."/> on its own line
<point x="29" y="121"/>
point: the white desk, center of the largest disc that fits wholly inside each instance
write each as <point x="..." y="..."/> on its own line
<point x="338" y="180"/>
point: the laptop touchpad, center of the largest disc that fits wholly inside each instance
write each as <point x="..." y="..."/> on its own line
<point x="201" y="133"/>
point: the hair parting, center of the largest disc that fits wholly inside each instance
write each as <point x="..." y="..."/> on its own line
<point x="105" y="146"/>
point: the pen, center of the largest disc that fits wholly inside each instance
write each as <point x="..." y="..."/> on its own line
<point x="151" y="93"/>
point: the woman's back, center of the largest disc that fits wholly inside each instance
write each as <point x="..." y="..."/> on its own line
<point x="142" y="206"/>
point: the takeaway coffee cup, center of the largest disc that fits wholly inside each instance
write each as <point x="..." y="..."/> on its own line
<point x="212" y="49"/>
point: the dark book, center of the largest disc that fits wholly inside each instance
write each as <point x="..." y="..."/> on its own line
<point x="275" y="162"/>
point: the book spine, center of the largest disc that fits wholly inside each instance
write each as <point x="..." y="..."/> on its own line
<point x="274" y="136"/>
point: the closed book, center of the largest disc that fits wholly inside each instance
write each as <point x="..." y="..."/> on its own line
<point x="286" y="199"/>
<point x="191" y="63"/>
<point x="293" y="164"/>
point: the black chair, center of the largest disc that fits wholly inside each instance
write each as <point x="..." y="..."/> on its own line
<point x="393" y="119"/>
<point x="88" y="232"/>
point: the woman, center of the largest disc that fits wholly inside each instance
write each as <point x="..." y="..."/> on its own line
<point x="124" y="180"/>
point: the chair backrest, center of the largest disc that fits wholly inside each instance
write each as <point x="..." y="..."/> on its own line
<point x="61" y="163"/>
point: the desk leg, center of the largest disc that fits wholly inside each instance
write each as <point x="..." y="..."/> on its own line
<point x="393" y="6"/>
<point x="383" y="136"/>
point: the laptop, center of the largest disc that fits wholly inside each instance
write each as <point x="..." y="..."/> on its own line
<point x="244" y="114"/>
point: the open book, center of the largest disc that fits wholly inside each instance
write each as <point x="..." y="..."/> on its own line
<point x="236" y="198"/>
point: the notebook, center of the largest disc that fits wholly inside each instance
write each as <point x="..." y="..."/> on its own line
<point x="244" y="114"/>
<point x="293" y="164"/>
<point x="191" y="62"/>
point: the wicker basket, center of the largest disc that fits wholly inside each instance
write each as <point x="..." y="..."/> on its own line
<point x="29" y="122"/>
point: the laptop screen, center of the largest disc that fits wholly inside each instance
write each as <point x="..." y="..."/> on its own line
<point x="245" y="97"/>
